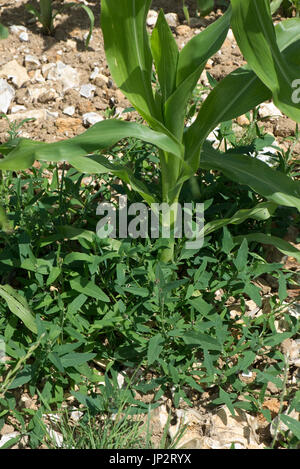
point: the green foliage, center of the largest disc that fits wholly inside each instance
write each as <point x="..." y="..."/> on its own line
<point x="3" y="32"/>
<point x="183" y="149"/>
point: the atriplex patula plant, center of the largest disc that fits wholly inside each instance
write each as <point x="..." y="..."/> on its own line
<point x="272" y="72"/>
<point x="46" y="14"/>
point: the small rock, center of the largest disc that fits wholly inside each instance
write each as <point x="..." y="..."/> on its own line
<point x="67" y="75"/>
<point x="37" y="77"/>
<point x="94" y="73"/>
<point x="230" y="35"/>
<point x="70" y="124"/>
<point x="87" y="91"/>
<point x="31" y="62"/>
<point x="269" y="110"/>
<point x="91" y="118"/>
<point x="24" y="37"/>
<point x="183" y="30"/>
<point x="172" y="19"/>
<point x="197" y="22"/>
<point x="7" y="94"/>
<point x="76" y="415"/>
<point x="6" y="438"/>
<point x="16" y="29"/>
<point x="243" y="120"/>
<point x="209" y="64"/>
<point x="6" y="429"/>
<point x="16" y="72"/>
<point x="152" y="18"/>
<point x="69" y="110"/>
<point x="56" y="437"/>
<point x="101" y="80"/>
<point x="38" y="114"/>
<point x="46" y="97"/>
<point x="17" y="108"/>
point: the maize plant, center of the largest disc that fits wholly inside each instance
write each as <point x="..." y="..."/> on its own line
<point x="46" y="14"/>
<point x="272" y="72"/>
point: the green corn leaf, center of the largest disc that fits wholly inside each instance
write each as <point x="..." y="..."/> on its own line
<point x="165" y="54"/>
<point x="201" y="47"/>
<point x="127" y="50"/>
<point x="255" y="34"/>
<point x="262" y="211"/>
<point x="18" y="306"/>
<point x="205" y="6"/>
<point x="274" y="185"/>
<point x="282" y="245"/>
<point x="275" y="4"/>
<point x="240" y="91"/>
<point x="191" y="63"/>
<point x="100" y="136"/>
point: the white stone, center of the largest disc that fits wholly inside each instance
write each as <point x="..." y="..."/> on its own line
<point x="34" y="92"/>
<point x="67" y="75"/>
<point x="7" y="94"/>
<point x="230" y="35"/>
<point x="24" y="37"/>
<point x="87" y="91"/>
<point x="69" y="110"/>
<point x="32" y="62"/>
<point x="269" y="110"/>
<point x="172" y="19"/>
<point x="94" y="73"/>
<point x="38" y="114"/>
<point x="56" y="437"/>
<point x="76" y="415"/>
<point x="16" y="72"/>
<point x="152" y="18"/>
<point x="17" y="108"/>
<point x="38" y="77"/>
<point x="6" y="438"/>
<point x="15" y="29"/>
<point x="91" y="118"/>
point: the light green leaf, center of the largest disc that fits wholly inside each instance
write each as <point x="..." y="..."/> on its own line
<point x="205" y="341"/>
<point x="274" y="185"/>
<point x="18" y="306"/>
<point x="88" y="288"/>
<point x="154" y="348"/>
<point x="255" y="34"/>
<point x="165" y="54"/>
<point x="127" y="50"/>
<point x="262" y="211"/>
<point x="191" y="63"/>
<point x="240" y="91"/>
<point x="292" y="424"/>
<point x="282" y="245"/>
<point x="3" y="32"/>
<point x="100" y="136"/>
<point x="75" y="359"/>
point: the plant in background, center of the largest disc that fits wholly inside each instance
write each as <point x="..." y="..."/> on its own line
<point x="3" y="32"/>
<point x="287" y="6"/>
<point x="273" y="66"/>
<point x="46" y="15"/>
